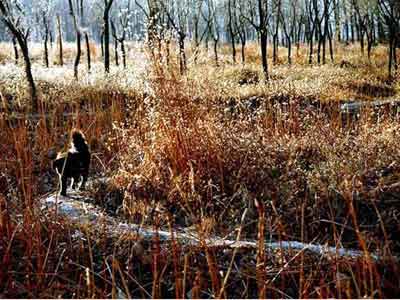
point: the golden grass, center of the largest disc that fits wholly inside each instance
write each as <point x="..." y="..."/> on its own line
<point x="203" y="148"/>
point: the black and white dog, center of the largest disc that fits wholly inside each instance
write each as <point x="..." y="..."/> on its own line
<point x="74" y="163"/>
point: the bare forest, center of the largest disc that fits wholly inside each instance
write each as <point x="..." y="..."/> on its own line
<point x="199" y="149"/>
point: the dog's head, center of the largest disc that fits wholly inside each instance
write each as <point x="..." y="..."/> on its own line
<point x="78" y="141"/>
<point x="78" y="137"/>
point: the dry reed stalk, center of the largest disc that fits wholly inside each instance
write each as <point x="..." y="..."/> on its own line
<point x="261" y="267"/>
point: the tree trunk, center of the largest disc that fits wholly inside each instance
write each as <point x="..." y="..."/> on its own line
<point x="324" y="43"/>
<point x="28" y="72"/>
<point x="102" y="43"/>
<point x="51" y="38"/>
<point x="23" y="44"/>
<point x="288" y="36"/>
<point x="123" y="51"/>
<point x="352" y="29"/>
<point x="372" y="31"/>
<point x="381" y="32"/>
<point x="46" y="51"/>
<point x="216" y="51"/>
<point x="116" y="52"/>
<point x="331" y="50"/>
<point x="78" y="53"/>
<point x="233" y="48"/>
<point x="231" y="33"/>
<point x="88" y="55"/>
<point x="32" y="86"/>
<point x="168" y="45"/>
<point x="370" y="40"/>
<point x="46" y="39"/>
<point x="243" y="37"/>
<point x="182" y="56"/>
<point x="80" y="4"/>
<point x="320" y="39"/>
<point x="60" y="41"/>
<point x="338" y="36"/>
<point x="310" y="57"/>
<point x="243" y="47"/>
<point x="395" y="54"/>
<point x="106" y="41"/>
<point x="275" y="37"/>
<point x="275" y="48"/>
<point x="263" y="40"/>
<point x="390" y="55"/>
<point x="369" y="49"/>
<point x="298" y="38"/>
<point x="361" y="35"/>
<point x="78" y="39"/>
<point x="16" y="54"/>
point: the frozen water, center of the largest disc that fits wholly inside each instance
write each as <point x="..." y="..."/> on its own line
<point x="77" y="210"/>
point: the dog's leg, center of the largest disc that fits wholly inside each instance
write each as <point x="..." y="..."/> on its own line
<point x="63" y="183"/>
<point x="76" y="179"/>
<point x="85" y="175"/>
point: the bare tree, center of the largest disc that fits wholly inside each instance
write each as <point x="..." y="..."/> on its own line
<point x="85" y="31"/>
<point x="328" y="9"/>
<point x="277" y="13"/>
<point x="319" y="18"/>
<point x="43" y="21"/>
<point x="114" y="34"/>
<point x="106" y="24"/>
<point x="241" y="28"/>
<point x="102" y="42"/>
<point x="152" y="13"/>
<point x="78" y="38"/>
<point x="16" y="53"/>
<point x="390" y="11"/>
<point x="289" y="21"/>
<point x="364" y="12"/>
<point x="44" y="11"/>
<point x="261" y="7"/>
<point x="88" y="54"/>
<point x="310" y="29"/>
<point x="124" y="18"/>
<point x="46" y="39"/>
<point x="213" y="26"/>
<point x="319" y="24"/>
<point x="360" y="23"/>
<point x="11" y="17"/>
<point x="60" y="41"/>
<point x="198" y="35"/>
<point x="177" y="15"/>
<point x="124" y="22"/>
<point x="233" y="32"/>
<point x="336" y="10"/>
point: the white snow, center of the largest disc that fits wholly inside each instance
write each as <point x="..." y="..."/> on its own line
<point x="77" y="209"/>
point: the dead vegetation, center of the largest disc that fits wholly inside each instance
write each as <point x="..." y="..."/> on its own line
<point x="196" y="151"/>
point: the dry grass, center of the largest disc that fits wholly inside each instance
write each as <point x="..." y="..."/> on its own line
<point x="204" y="148"/>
